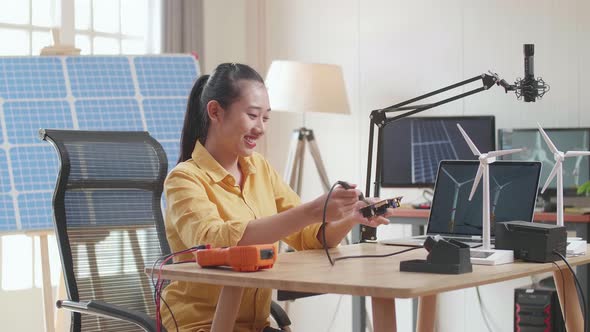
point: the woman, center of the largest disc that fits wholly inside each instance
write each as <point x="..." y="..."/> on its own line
<point x="224" y="194"/>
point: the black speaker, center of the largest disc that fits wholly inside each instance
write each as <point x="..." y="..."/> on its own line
<point x="537" y="310"/>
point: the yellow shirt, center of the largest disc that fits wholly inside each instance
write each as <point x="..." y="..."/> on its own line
<point x="204" y="205"/>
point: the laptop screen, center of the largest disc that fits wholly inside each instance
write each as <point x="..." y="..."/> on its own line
<point x="513" y="192"/>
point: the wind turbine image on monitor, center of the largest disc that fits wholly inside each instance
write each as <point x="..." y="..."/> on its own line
<point x="488" y="256"/>
<point x="558" y="170"/>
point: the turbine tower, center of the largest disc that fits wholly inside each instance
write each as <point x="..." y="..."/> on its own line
<point x="484" y="160"/>
<point x="558" y="170"/>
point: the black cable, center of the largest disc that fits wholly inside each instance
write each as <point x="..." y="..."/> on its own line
<point x="564" y="300"/>
<point x="376" y="256"/>
<point x="578" y="286"/>
<point x="323" y="227"/>
<point x="482" y="309"/>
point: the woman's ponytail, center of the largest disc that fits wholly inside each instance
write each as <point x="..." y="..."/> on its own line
<point x="196" y="120"/>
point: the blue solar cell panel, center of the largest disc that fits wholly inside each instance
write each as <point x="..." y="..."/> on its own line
<point x="165" y="75"/>
<point x="4" y="176"/>
<point x="24" y="118"/>
<point x="34" y="168"/>
<point x="7" y="218"/>
<point x="109" y="114"/>
<point x="100" y="76"/>
<point x="35" y="210"/>
<point x="32" y="77"/>
<point x="164" y="117"/>
<point x="87" y="93"/>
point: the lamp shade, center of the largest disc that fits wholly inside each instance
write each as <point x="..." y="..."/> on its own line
<point x="306" y="87"/>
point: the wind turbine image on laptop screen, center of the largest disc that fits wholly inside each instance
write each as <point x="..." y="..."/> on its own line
<point x="496" y="196"/>
<point x="458" y="187"/>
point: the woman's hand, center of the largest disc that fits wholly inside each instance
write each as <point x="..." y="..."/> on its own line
<point x="356" y="216"/>
<point x="342" y="203"/>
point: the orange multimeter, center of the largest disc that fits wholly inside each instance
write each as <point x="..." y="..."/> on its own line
<point x="240" y="258"/>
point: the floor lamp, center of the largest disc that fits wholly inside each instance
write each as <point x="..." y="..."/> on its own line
<point x="305" y="87"/>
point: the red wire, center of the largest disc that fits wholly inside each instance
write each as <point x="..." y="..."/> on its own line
<point x="160" y="283"/>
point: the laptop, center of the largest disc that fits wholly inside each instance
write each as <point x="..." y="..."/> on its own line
<point x="513" y="193"/>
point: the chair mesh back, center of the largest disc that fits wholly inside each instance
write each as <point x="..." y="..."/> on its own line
<point x="108" y="219"/>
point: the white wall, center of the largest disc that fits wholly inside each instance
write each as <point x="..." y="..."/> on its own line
<point x="393" y="50"/>
<point x="27" y="310"/>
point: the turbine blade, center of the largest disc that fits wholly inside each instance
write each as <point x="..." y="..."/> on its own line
<point x="551" y="176"/>
<point x="503" y="152"/>
<point x="476" y="181"/>
<point x="468" y="140"/>
<point x="547" y="139"/>
<point x="577" y="153"/>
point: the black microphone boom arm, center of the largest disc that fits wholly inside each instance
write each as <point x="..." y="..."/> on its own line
<point x="379" y="118"/>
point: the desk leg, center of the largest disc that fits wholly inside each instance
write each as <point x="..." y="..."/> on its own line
<point x="48" y="302"/>
<point x="383" y="315"/>
<point x="582" y="270"/>
<point x="227" y="309"/>
<point x="426" y="313"/>
<point x="573" y="312"/>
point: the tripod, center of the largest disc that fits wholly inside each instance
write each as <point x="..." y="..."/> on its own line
<point x="293" y="174"/>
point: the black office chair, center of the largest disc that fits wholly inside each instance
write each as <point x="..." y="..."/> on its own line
<point x="109" y="227"/>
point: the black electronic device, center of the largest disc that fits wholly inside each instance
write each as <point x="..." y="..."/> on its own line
<point x="537" y="309"/>
<point x="445" y="257"/>
<point x="533" y="242"/>
<point x="380" y="208"/>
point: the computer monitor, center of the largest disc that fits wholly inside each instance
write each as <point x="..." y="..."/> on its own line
<point x="576" y="170"/>
<point x="413" y="147"/>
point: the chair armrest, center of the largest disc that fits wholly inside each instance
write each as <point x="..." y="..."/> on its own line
<point x="100" y="308"/>
<point x="279" y="315"/>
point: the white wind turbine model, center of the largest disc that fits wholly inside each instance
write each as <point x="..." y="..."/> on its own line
<point x="558" y="169"/>
<point x="488" y="256"/>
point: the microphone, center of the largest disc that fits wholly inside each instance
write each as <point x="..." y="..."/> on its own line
<point x="529" y="87"/>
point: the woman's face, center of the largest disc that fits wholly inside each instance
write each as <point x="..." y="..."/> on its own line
<point x="243" y="122"/>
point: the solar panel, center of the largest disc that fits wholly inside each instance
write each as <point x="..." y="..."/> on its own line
<point x="413" y="147"/>
<point x="430" y="144"/>
<point x="144" y="93"/>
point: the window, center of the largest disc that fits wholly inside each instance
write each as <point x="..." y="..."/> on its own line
<point x="117" y="26"/>
<point x="97" y="26"/>
<point x="25" y="26"/>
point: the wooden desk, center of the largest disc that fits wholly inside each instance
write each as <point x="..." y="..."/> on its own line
<point x="577" y="223"/>
<point x="379" y="278"/>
